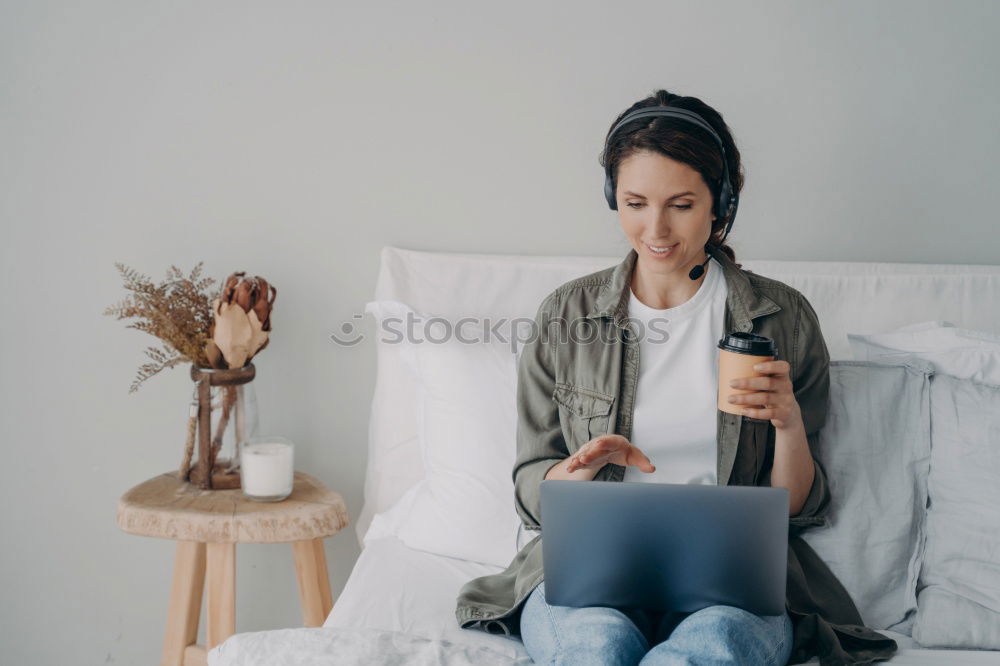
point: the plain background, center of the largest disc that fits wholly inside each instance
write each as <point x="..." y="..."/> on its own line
<point x="293" y="140"/>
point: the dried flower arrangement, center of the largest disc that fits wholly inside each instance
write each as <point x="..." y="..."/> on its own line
<point x="221" y="331"/>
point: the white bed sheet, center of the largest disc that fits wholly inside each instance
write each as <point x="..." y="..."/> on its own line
<point x="397" y="588"/>
<point x="399" y="605"/>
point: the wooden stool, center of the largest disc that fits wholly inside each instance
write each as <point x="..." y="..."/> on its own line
<point x="207" y="524"/>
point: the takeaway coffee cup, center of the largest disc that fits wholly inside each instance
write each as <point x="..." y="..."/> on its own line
<point x="738" y="353"/>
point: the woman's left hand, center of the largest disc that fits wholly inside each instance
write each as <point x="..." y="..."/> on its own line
<point x="774" y="398"/>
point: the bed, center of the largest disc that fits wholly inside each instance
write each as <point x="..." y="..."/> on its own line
<point x="398" y="608"/>
<point x="398" y="605"/>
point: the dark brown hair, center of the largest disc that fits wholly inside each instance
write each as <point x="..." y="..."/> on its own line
<point x="683" y="141"/>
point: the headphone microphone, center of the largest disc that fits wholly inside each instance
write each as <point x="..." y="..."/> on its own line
<point x="697" y="271"/>
<point x="727" y="201"/>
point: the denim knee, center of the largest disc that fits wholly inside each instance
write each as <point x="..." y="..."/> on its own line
<point x="726" y="634"/>
<point x="591" y="635"/>
<point x="730" y="620"/>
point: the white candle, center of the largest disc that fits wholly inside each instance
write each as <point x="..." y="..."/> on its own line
<point x="267" y="468"/>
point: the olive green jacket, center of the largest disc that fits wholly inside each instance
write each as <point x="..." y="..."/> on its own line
<point x="570" y="391"/>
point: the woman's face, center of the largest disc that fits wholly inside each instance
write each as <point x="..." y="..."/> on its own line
<point x="664" y="203"/>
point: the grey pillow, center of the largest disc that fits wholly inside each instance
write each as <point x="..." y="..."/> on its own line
<point x="958" y="595"/>
<point x="875" y="450"/>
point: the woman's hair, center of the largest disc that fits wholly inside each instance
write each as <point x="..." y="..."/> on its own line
<point x="682" y="141"/>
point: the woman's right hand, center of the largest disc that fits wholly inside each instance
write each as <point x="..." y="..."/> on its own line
<point x="606" y="449"/>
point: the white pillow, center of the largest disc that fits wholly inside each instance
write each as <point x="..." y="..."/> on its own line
<point x="875" y="450"/>
<point x="952" y="350"/>
<point x="958" y="597"/>
<point x="464" y="506"/>
<point x="394" y="456"/>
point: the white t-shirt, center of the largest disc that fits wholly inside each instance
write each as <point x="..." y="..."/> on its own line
<point x="675" y="421"/>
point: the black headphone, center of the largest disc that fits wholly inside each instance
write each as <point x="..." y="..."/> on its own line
<point x="728" y="200"/>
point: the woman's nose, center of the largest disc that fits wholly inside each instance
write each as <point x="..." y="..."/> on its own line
<point x="661" y="224"/>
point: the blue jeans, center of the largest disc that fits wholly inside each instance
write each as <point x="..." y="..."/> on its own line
<point x="603" y="635"/>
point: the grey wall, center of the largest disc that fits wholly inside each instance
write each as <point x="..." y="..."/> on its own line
<point x="293" y="140"/>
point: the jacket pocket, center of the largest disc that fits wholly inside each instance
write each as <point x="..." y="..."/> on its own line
<point x="585" y="412"/>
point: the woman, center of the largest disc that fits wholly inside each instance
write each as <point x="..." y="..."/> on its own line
<point x="643" y="408"/>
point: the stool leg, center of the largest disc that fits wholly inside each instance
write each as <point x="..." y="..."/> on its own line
<point x="185" y="602"/>
<point x="314" y="581"/>
<point x="221" y="621"/>
<point x="324" y="578"/>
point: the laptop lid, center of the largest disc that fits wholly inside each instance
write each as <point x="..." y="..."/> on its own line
<point x="664" y="546"/>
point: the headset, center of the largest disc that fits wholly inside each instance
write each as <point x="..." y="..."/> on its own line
<point x="728" y="200"/>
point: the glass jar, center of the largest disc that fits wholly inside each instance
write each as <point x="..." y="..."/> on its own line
<point x="223" y="414"/>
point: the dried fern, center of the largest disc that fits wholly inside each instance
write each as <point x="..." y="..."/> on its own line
<point x="178" y="311"/>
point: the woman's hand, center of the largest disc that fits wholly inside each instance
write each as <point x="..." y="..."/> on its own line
<point x="774" y="398"/>
<point x="609" y="449"/>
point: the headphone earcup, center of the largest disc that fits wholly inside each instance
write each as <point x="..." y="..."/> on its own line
<point x="725" y="199"/>
<point x="609" y="192"/>
<point x="728" y="203"/>
<point x="725" y="196"/>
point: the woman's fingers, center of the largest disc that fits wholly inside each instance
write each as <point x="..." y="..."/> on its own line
<point x="582" y="458"/>
<point x="641" y="460"/>
<point x="597" y="451"/>
<point x="749" y="399"/>
<point x="576" y="461"/>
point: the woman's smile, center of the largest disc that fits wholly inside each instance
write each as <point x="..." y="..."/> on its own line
<point x="661" y="251"/>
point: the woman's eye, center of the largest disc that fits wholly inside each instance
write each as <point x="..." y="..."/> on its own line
<point x="640" y="205"/>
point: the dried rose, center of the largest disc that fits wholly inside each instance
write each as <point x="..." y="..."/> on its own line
<point x="242" y="318"/>
<point x="251" y="294"/>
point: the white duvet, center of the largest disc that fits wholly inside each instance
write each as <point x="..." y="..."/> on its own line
<point x="326" y="646"/>
<point x="398" y="607"/>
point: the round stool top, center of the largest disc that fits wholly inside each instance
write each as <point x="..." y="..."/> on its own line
<point x="170" y="508"/>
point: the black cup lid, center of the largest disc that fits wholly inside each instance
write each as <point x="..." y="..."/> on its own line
<point x="748" y="343"/>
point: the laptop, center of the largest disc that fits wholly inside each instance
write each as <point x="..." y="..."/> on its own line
<point x="664" y="546"/>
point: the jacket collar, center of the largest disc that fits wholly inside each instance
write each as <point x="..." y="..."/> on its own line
<point x="744" y="301"/>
